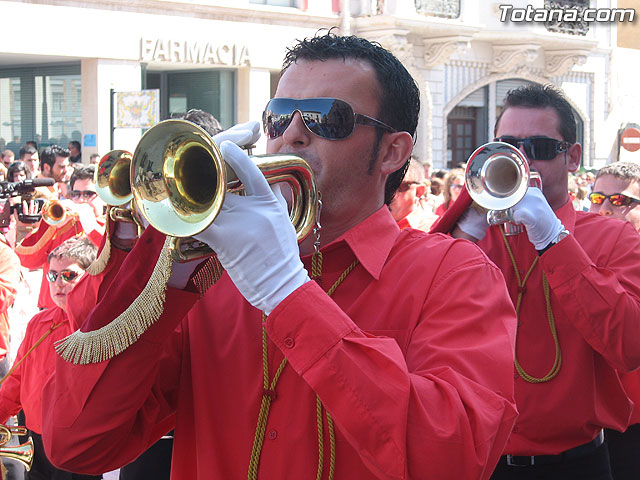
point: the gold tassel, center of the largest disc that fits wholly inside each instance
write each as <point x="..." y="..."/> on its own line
<point x="100" y="263"/>
<point x="103" y="344"/>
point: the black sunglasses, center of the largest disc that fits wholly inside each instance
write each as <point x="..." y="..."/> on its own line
<point x="329" y="118"/>
<point x="538" y="148"/>
<point x="616" y="199"/>
<point x="87" y="194"/>
<point x="66" y="275"/>
<point x="404" y="186"/>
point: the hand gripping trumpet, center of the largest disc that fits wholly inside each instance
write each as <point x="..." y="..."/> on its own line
<point x="497" y="177"/>
<point x="179" y="180"/>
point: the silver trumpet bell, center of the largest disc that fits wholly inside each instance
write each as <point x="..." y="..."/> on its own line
<point x="497" y="177"/>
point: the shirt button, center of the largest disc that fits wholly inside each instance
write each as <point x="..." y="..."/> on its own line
<point x="289" y="342"/>
<point x="272" y="434"/>
<point x="515" y="429"/>
<point x="515" y="376"/>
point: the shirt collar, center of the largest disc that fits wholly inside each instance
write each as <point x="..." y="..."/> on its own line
<point x="567" y="215"/>
<point x="371" y="240"/>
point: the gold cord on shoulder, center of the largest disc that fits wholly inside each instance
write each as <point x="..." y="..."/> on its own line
<point x="106" y="342"/>
<point x="557" y="363"/>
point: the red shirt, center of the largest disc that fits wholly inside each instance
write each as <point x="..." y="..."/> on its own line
<point x="9" y="279"/>
<point x="420" y="219"/>
<point x="594" y="281"/>
<point x="23" y="388"/>
<point x="36" y="247"/>
<point x="91" y="288"/>
<point x="418" y="382"/>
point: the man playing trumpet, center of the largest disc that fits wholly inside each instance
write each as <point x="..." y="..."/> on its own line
<point x="370" y="370"/>
<point x="83" y="214"/>
<point x="574" y="279"/>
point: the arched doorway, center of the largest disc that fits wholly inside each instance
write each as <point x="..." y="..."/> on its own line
<point x="471" y="121"/>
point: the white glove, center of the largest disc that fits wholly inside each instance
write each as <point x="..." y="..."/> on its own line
<point x="87" y="216"/>
<point x="254" y="238"/>
<point x="243" y="134"/>
<point x="538" y="218"/>
<point x="473" y="223"/>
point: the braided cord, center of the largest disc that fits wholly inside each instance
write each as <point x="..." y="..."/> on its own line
<point x="269" y="394"/>
<point x="557" y="363"/>
<point x="33" y="347"/>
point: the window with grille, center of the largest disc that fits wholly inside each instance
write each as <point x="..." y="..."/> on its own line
<point x="558" y="23"/>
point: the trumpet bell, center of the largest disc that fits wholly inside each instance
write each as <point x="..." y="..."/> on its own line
<point x="112" y="178"/>
<point x="179" y="180"/>
<point x="497" y="176"/>
<point x="53" y="213"/>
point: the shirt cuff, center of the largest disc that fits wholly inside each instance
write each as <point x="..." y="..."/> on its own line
<point x="305" y="334"/>
<point x="564" y="261"/>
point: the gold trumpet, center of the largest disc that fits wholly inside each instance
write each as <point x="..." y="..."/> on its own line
<point x="113" y="185"/>
<point x="23" y="453"/>
<point x="179" y="180"/>
<point x="54" y="212"/>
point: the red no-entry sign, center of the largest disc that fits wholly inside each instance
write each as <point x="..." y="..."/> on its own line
<point x="630" y="139"/>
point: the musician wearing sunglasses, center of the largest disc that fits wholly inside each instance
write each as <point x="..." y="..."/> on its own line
<point x="83" y="216"/>
<point x="354" y="354"/>
<point x="575" y="282"/>
<point x="616" y="194"/>
<point x="407" y="205"/>
<point x="23" y="387"/>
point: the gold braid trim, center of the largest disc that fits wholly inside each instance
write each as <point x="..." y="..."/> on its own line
<point x="107" y="342"/>
<point x="100" y="263"/>
<point x="39" y="245"/>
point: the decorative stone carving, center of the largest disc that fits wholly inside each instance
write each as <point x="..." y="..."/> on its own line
<point x="514" y="58"/>
<point x="559" y="62"/>
<point x="438" y="50"/>
<point x="396" y="42"/>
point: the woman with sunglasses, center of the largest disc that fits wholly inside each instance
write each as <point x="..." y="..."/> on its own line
<point x="23" y="387"/>
<point x="376" y="368"/>
<point x="575" y="284"/>
<point x="453" y="184"/>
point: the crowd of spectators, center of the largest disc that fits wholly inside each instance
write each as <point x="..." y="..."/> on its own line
<point x="43" y="261"/>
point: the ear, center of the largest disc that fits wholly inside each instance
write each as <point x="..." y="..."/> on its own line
<point x="396" y="150"/>
<point x="574" y="154"/>
<point x="46" y="169"/>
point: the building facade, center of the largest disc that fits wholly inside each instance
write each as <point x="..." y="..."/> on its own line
<point x="65" y="63"/>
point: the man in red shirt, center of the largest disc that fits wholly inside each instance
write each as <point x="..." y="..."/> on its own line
<point x="84" y="215"/>
<point x="394" y="363"/>
<point x="616" y="194"/>
<point x="23" y="388"/>
<point x="574" y="279"/>
<point x="407" y="206"/>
